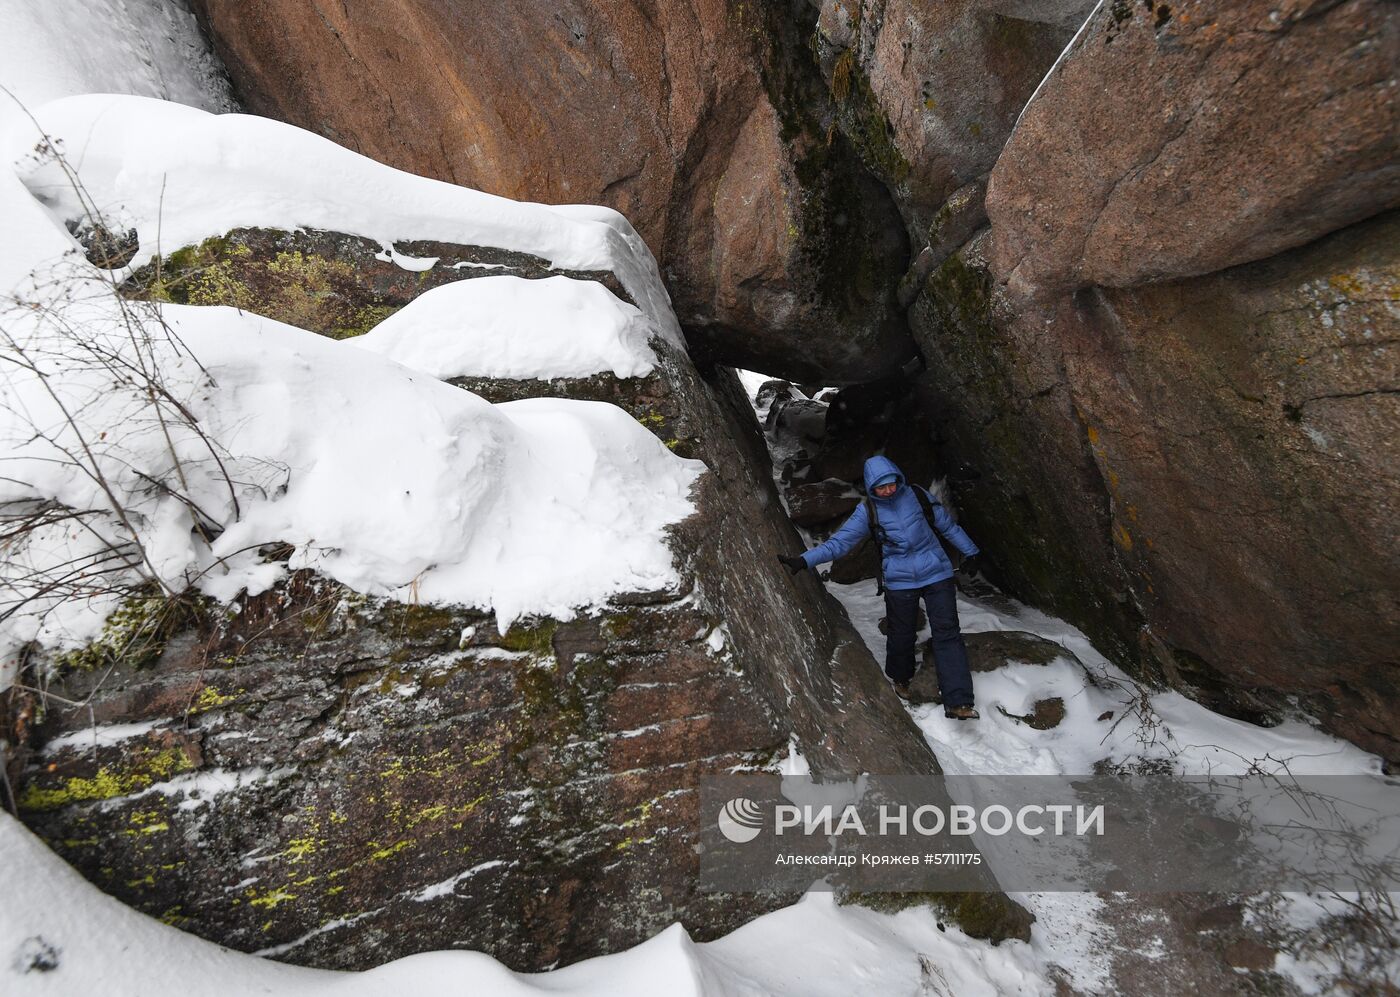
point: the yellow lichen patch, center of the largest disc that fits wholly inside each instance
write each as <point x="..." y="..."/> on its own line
<point x="107" y="784"/>
<point x="298" y="848"/>
<point x="271" y="898"/>
<point x="133" y="635"/>
<point x="841" y="74"/>
<point x="435" y="765"/>
<point x="381" y="854"/>
<point x="468" y="807"/>
<point x="1348" y="283"/>
<point x="210" y="698"/>
<point x="1121" y="537"/>
<point x="428" y="813"/>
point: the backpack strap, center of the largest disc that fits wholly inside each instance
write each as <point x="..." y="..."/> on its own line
<point x="927" y="502"/>
<point x="877" y="532"/>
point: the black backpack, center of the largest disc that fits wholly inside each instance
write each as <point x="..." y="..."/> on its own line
<point x="926" y="502"/>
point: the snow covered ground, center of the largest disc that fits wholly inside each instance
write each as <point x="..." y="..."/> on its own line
<point x="1070" y="932"/>
<point x="1184" y="733"/>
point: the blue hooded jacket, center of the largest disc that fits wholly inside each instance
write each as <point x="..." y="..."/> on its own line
<point x="913" y="557"/>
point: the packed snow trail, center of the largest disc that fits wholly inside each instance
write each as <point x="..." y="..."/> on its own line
<point x="1122" y="942"/>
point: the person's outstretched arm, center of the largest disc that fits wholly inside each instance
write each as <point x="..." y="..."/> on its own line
<point x="855" y="529"/>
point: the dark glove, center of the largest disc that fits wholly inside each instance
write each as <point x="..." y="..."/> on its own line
<point x="969" y="565"/>
<point x="793" y="564"/>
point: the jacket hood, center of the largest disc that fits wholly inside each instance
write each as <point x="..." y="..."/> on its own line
<point x="880" y="467"/>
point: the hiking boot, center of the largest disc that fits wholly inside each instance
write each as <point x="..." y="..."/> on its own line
<point x="901" y="689"/>
<point x="961" y="713"/>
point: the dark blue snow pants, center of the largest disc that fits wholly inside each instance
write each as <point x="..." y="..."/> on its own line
<point x="949" y="651"/>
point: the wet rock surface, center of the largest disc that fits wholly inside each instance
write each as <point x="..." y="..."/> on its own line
<point x="335" y="782"/>
<point x="821" y="501"/>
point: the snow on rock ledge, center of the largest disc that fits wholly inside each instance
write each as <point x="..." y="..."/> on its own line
<point x="383" y="478"/>
<point x="396" y="478"/>
<point x="513" y="327"/>
<point x="178" y="175"/>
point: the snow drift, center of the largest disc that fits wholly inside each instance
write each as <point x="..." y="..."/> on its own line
<point x="379" y="475"/>
<point x="512" y="327"/>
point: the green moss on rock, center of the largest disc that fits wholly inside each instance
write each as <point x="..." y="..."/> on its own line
<point x="136" y="633"/>
<point x="992" y="916"/>
<point x="535" y="639"/>
<point x="323" y="293"/>
<point x="865" y="123"/>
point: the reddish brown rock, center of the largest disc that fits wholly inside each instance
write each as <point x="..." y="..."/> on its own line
<point x="928" y="92"/>
<point x="1181" y="138"/>
<point x="778" y="253"/>
<point x="1200" y="473"/>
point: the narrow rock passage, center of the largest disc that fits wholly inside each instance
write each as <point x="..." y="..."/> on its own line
<point x="1052" y="704"/>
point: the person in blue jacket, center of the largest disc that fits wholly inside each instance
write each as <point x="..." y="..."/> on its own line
<point x="915" y="567"/>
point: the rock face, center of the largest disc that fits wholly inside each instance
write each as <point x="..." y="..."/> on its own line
<point x="929" y="92"/>
<point x="338" y="781"/>
<point x="1161" y="382"/>
<point x="1257" y="126"/>
<point x="691" y="118"/>
<point x="1201" y="473"/>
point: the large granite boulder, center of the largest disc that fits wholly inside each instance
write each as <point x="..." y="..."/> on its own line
<point x="1197" y="471"/>
<point x="1184" y="138"/>
<point x="337" y="781"/>
<point x="929" y="92"/>
<point x="1200" y="473"/>
<point x="693" y="119"/>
